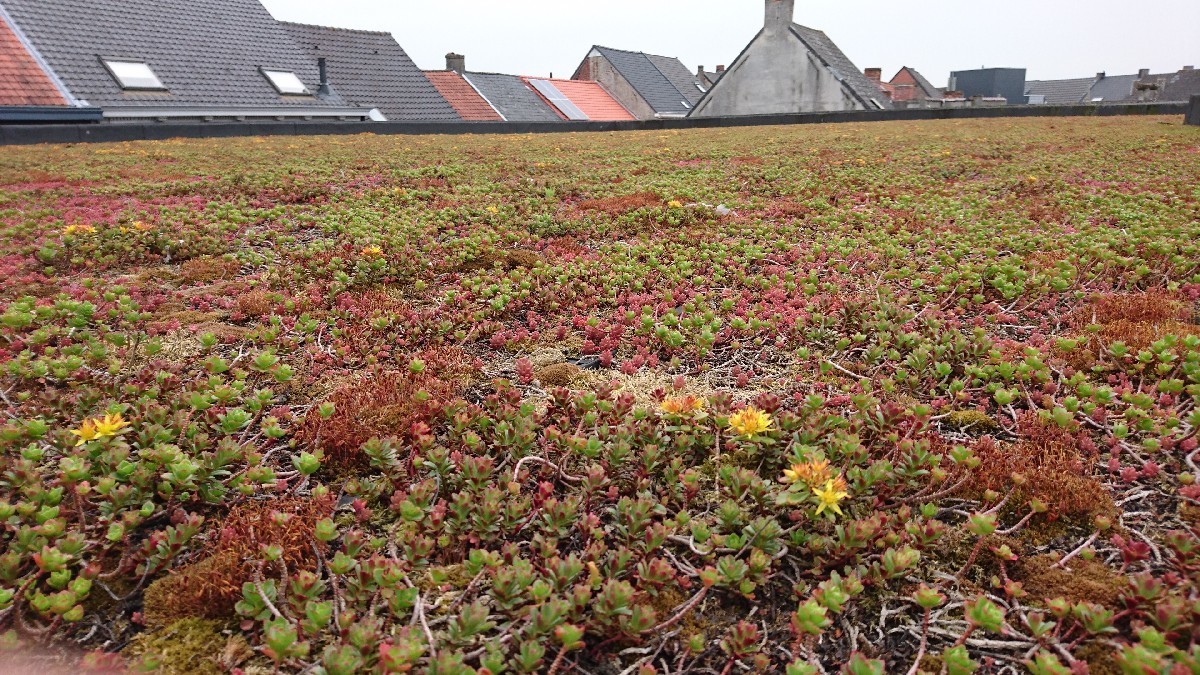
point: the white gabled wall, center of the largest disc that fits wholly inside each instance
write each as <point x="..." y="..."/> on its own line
<point x="776" y="74"/>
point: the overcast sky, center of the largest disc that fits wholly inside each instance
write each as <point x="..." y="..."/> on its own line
<point x="1051" y="38"/>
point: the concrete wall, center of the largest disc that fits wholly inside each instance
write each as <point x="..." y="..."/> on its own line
<point x="598" y="69"/>
<point x="776" y="75"/>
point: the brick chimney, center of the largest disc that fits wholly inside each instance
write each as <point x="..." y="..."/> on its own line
<point x="779" y="15"/>
<point x="456" y="62"/>
<point x="874" y="74"/>
<point x="1101" y="75"/>
<point x="700" y="71"/>
<point x="1143" y="73"/>
<point x="720" y="69"/>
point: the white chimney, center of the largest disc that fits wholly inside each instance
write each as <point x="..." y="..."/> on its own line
<point x="779" y="15"/>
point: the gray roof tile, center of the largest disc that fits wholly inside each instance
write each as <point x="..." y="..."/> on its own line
<point x="509" y="95"/>
<point x="370" y="69"/>
<point x="825" y="49"/>
<point x="683" y="79"/>
<point x="207" y="52"/>
<point x="1112" y="88"/>
<point x="1061" y="92"/>
<point x="664" y="93"/>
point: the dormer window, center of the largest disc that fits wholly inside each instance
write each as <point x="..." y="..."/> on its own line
<point x="286" y="82"/>
<point x="134" y="75"/>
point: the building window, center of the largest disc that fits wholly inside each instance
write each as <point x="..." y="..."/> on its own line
<point x="875" y="102"/>
<point x="286" y="82"/>
<point x="134" y="75"/>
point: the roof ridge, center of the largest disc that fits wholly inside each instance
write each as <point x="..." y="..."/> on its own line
<point x="686" y="100"/>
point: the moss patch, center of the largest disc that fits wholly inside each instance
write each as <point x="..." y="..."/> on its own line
<point x="558" y="375"/>
<point x="1088" y="580"/>
<point x="971" y="421"/>
<point x="185" y="647"/>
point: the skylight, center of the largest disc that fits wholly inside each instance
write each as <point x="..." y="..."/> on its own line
<point x="134" y="75"/>
<point x="285" y="82"/>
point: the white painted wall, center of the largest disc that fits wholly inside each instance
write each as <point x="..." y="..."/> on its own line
<point x="776" y="75"/>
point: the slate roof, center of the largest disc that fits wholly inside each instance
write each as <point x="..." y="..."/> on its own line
<point x="1182" y="86"/>
<point x="370" y="69"/>
<point x="1061" y="92"/>
<point x="22" y="80"/>
<point x="513" y="98"/>
<point x="683" y="79"/>
<point x="592" y="99"/>
<point x="470" y="106"/>
<point x="665" y="92"/>
<point x="207" y="52"/>
<point x="1112" y="88"/>
<point x="825" y="49"/>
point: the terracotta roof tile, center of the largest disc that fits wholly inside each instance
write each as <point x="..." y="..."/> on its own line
<point x="592" y="99"/>
<point x="463" y="97"/>
<point x="22" y="80"/>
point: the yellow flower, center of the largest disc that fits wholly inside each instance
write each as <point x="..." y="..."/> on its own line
<point x="79" y="229"/>
<point x="100" y="427"/>
<point x="675" y="204"/>
<point x="830" y="496"/>
<point x="493" y="210"/>
<point x="86" y="432"/>
<point x="142" y="227"/>
<point x="372" y="252"/>
<point x="110" y="425"/>
<point x="682" y="405"/>
<point x="811" y="473"/>
<point x="750" y="422"/>
<point x="1032" y="179"/>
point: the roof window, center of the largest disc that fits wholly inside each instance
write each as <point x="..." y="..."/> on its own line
<point x="134" y="75"/>
<point x="286" y="82"/>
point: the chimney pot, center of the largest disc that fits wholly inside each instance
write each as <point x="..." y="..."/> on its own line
<point x="1143" y="73"/>
<point x="456" y="62"/>
<point x="699" y="71"/>
<point x="779" y="15"/>
<point x="1101" y="75"/>
<point x="323" y="88"/>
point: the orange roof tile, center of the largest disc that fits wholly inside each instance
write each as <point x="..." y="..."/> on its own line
<point x="592" y="99"/>
<point x="22" y="80"/>
<point x="462" y="97"/>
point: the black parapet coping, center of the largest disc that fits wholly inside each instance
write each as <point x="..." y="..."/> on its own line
<point x="1192" y="117"/>
<point x="119" y="132"/>
<point x="48" y="115"/>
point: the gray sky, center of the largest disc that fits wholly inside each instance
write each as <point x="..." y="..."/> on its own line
<point x="1051" y="38"/>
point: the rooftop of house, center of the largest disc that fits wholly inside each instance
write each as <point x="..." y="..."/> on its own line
<point x="463" y="97"/>
<point x="666" y="85"/>
<point x="514" y="98"/>
<point x="1112" y="88"/>
<point x="23" y="82"/>
<point x="923" y="84"/>
<point x="588" y="97"/>
<point x="171" y="53"/>
<point x="834" y="58"/>
<point x="370" y="69"/>
<point x="1061" y="92"/>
